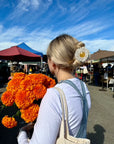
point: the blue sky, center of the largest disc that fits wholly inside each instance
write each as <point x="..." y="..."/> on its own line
<point x="37" y="22"/>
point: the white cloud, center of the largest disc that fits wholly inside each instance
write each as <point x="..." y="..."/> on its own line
<point x="37" y="40"/>
<point x="35" y="3"/>
<point x="77" y="7"/>
<point x="79" y="31"/>
<point x="40" y="38"/>
<point x="6" y="44"/>
<point x="95" y="45"/>
<point x="41" y="25"/>
<point x="11" y="34"/>
<point x="86" y="29"/>
<point x="24" y="6"/>
<point x="61" y="6"/>
<point x="40" y="44"/>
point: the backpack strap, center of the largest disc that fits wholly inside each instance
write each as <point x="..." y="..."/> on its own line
<point x="83" y="127"/>
<point x="64" y="130"/>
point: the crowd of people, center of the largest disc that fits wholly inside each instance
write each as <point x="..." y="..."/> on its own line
<point x="102" y="73"/>
<point x="97" y="73"/>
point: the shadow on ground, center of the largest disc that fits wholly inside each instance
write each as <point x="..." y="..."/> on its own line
<point x="98" y="136"/>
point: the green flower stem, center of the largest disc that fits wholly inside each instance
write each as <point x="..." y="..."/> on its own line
<point x="18" y="114"/>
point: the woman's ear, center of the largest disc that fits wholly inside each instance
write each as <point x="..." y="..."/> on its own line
<point x="54" y="65"/>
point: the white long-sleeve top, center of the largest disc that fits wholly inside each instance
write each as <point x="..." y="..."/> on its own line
<point x="46" y="128"/>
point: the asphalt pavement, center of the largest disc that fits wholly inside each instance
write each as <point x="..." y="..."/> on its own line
<point x="100" y="127"/>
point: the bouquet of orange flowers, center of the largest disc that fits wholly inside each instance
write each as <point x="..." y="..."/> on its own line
<point x="25" y="91"/>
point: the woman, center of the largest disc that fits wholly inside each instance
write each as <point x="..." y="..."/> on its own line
<point x="61" y="60"/>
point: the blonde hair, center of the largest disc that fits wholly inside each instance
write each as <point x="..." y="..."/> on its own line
<point x="62" y="49"/>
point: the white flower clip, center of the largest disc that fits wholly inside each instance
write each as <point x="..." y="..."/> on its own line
<point x="82" y="54"/>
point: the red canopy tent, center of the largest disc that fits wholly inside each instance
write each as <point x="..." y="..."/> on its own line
<point x="16" y="53"/>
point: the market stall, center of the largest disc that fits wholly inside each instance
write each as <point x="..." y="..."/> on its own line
<point x="99" y="58"/>
<point x="17" y="54"/>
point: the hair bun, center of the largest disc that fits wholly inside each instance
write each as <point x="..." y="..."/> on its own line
<point x="80" y="44"/>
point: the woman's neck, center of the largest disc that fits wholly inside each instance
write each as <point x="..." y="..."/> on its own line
<point x="61" y="74"/>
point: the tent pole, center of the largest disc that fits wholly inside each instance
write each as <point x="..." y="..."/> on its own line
<point x="41" y="63"/>
<point x="90" y="70"/>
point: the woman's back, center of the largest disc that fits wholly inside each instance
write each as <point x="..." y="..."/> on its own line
<point x="52" y="112"/>
<point x="74" y="104"/>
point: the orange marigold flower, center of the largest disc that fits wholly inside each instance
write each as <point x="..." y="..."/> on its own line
<point x="9" y="122"/>
<point x="14" y="84"/>
<point x="37" y="78"/>
<point x="49" y="82"/>
<point x="39" y="91"/>
<point x="8" y="98"/>
<point x="24" y="99"/>
<point x="19" y="75"/>
<point x="27" y="84"/>
<point x="52" y="83"/>
<point x="30" y="114"/>
<point x="23" y="90"/>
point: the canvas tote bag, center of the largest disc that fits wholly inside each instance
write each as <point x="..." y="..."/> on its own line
<point x="64" y="137"/>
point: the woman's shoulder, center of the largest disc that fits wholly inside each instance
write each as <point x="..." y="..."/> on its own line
<point x="66" y="87"/>
<point x="50" y="106"/>
<point x="51" y="93"/>
<point x="52" y="99"/>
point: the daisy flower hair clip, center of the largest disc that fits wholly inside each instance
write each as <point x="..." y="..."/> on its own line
<point x="82" y="54"/>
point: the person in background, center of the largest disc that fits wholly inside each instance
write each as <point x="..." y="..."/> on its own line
<point x="21" y="68"/>
<point x="37" y="69"/>
<point x="85" y="72"/>
<point x="96" y="74"/>
<point x="30" y="70"/>
<point x="61" y="61"/>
